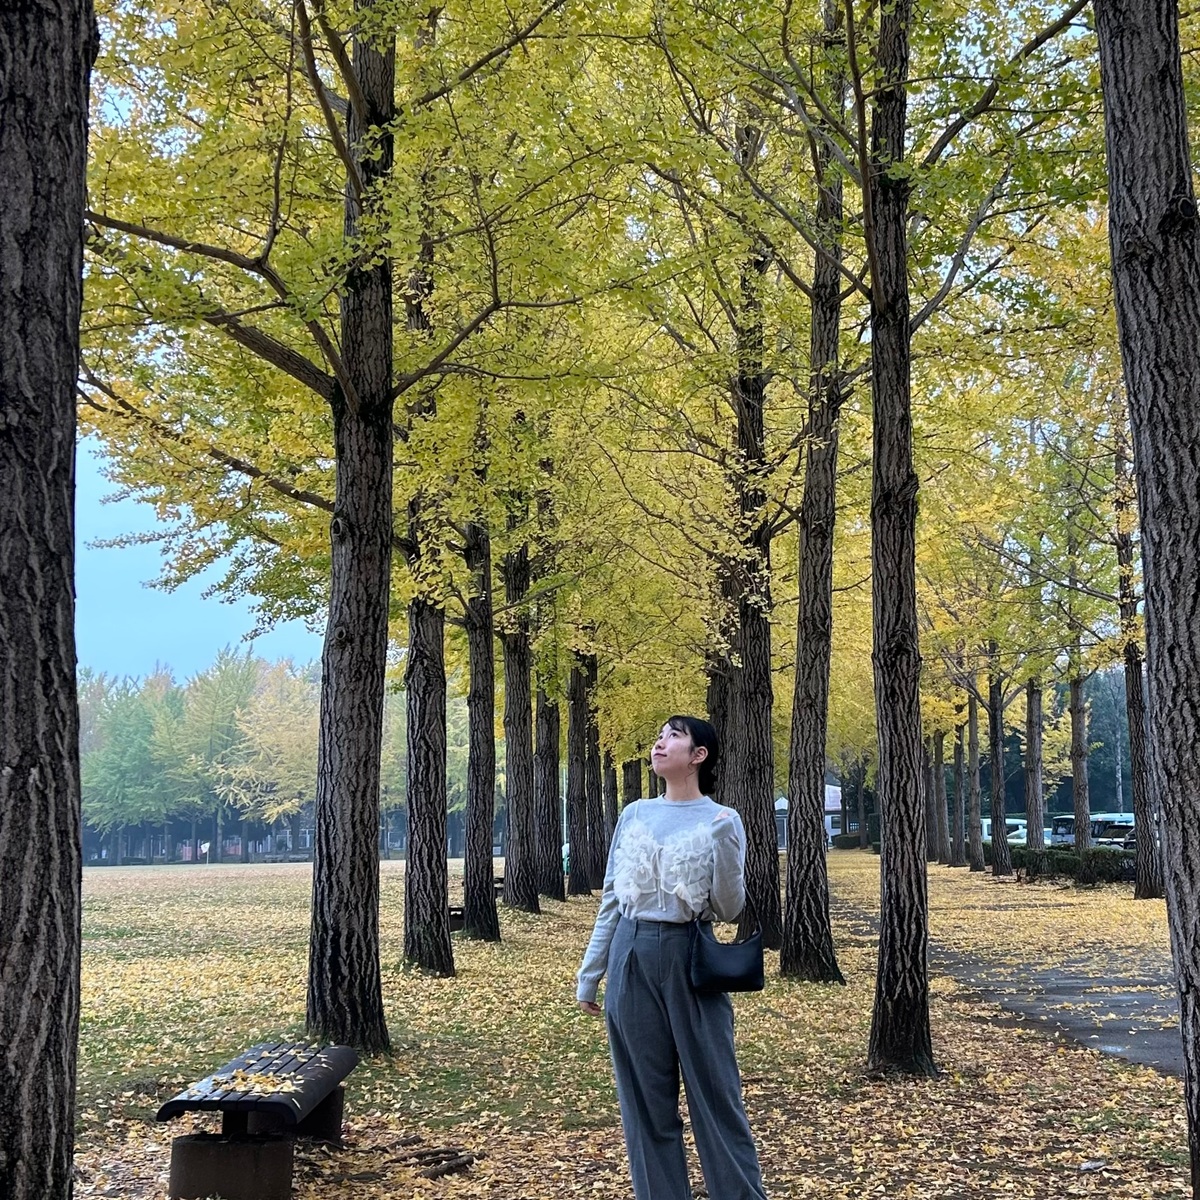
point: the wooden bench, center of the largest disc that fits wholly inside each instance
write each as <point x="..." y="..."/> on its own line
<point x="267" y="1097"/>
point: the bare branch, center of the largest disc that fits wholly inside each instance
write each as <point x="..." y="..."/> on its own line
<point x="335" y="133"/>
<point x="960" y="254"/>
<point x="496" y="52"/>
<point x="256" y="266"/>
<point x="345" y="67"/>
<point x="989" y="94"/>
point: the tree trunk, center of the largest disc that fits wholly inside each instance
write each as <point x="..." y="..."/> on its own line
<point x="631" y="781"/>
<point x="939" y="797"/>
<point x="864" y="832"/>
<point x="244" y="838"/>
<point x="930" y="800"/>
<point x="1148" y="884"/>
<point x="46" y="55"/>
<point x="752" y="788"/>
<point x="345" y="1001"/>
<point x="609" y="780"/>
<point x="593" y="783"/>
<point x="807" y="950"/>
<point x="975" y="802"/>
<point x="654" y="784"/>
<point x="520" y="852"/>
<point x="546" y="801"/>
<point x="719" y="672"/>
<point x="579" y="878"/>
<point x="958" y="841"/>
<point x="480" y="919"/>
<point x="1079" y="766"/>
<point x="426" y="881"/>
<point x="167" y="846"/>
<point x="1001" y="855"/>
<point x="1035" y="820"/>
<point x="1156" y="268"/>
<point x="900" y="1036"/>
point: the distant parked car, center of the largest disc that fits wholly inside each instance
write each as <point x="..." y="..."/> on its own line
<point x="1014" y="830"/>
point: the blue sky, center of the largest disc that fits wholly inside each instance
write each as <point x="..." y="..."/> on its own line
<point x="124" y="627"/>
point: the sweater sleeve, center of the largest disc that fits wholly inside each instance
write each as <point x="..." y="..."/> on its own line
<point x="727" y="893"/>
<point x="595" y="958"/>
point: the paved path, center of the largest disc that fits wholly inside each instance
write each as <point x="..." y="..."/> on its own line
<point x="1134" y="1016"/>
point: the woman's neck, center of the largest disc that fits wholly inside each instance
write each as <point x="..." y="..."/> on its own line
<point x="683" y="789"/>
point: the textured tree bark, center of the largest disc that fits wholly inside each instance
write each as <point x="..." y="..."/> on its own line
<point x="1001" y="855"/>
<point x="807" y="950"/>
<point x="1148" y="882"/>
<point x="975" y="791"/>
<point x="631" y="781"/>
<point x="958" y="840"/>
<point x="345" y="1001"/>
<point x="1035" y="813"/>
<point x="579" y="878"/>
<point x="1079" y="767"/>
<point x="900" y="1037"/>
<point x="609" y="780"/>
<point x="654" y="785"/>
<point x="1156" y="269"/>
<point x="520" y="862"/>
<point x="939" y="797"/>
<point x="480" y="919"/>
<point x="426" y="881"/>
<point x="723" y="678"/>
<point x="546" y="803"/>
<point x="46" y="55"/>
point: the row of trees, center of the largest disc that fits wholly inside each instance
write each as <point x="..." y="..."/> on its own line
<point x="624" y="366"/>
<point x="617" y="350"/>
<point x="237" y="743"/>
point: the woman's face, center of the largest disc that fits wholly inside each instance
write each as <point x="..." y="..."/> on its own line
<point x="673" y="755"/>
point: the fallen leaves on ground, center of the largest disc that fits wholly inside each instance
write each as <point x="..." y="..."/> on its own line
<point x="186" y="967"/>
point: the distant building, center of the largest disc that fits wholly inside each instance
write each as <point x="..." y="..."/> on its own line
<point x="833" y="814"/>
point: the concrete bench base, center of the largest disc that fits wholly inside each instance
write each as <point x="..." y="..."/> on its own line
<point x="233" y="1168"/>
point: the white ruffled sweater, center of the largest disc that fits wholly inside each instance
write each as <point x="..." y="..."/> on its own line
<point x="670" y="860"/>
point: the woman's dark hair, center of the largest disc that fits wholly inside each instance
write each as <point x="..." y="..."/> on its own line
<point x="702" y="734"/>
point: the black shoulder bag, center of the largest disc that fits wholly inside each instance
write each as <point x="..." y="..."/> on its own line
<point x="715" y="966"/>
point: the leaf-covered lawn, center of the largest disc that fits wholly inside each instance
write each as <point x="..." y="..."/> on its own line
<point x="185" y="967"/>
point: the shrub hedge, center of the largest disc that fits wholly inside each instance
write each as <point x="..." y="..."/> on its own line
<point x="845" y="841"/>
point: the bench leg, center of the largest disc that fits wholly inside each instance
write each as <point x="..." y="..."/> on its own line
<point x="324" y="1123"/>
<point x="234" y="1124"/>
<point x="204" y="1165"/>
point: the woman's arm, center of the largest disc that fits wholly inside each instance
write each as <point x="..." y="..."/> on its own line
<point x="727" y="893"/>
<point x="595" y="958"/>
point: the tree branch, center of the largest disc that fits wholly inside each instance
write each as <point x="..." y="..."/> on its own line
<point x="335" y="134"/>
<point x="993" y="88"/>
<point x="255" y="266"/>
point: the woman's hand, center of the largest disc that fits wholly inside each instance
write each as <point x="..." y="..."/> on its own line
<point x="591" y="1008"/>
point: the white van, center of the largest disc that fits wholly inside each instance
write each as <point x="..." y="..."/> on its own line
<point x="1062" y="830"/>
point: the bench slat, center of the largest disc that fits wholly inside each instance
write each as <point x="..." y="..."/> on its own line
<point x="306" y="1073"/>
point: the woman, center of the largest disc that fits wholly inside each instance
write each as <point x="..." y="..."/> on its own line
<point x="673" y="859"/>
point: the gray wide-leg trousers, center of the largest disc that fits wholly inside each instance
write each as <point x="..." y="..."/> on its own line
<point x="657" y="1028"/>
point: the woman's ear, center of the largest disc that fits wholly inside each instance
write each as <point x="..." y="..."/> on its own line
<point x="699" y="754"/>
